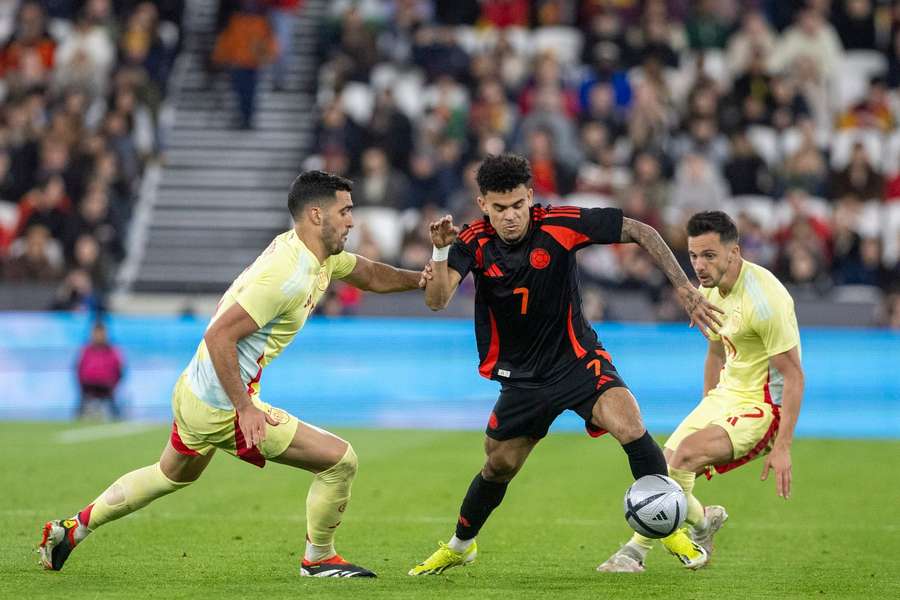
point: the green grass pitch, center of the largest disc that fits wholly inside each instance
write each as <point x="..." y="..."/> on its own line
<point x="239" y="531"/>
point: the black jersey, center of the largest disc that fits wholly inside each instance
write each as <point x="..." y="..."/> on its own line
<point x="528" y="320"/>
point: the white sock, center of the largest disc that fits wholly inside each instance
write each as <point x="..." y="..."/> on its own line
<point x="316" y="553"/>
<point x="638" y="549"/>
<point x="701" y="524"/>
<point x="458" y="545"/>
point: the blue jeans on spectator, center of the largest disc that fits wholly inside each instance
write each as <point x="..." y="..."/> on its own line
<point x="243" y="81"/>
<point x="282" y="22"/>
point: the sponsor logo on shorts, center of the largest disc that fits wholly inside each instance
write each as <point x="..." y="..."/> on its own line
<point x="492" y="421"/>
<point x="279" y="415"/>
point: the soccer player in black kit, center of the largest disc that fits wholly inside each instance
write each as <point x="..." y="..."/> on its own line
<point x="533" y="338"/>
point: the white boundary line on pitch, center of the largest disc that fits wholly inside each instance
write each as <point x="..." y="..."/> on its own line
<point x="100" y="432"/>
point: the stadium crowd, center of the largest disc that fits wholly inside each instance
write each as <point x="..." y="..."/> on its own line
<point x="782" y="113"/>
<point x="81" y="84"/>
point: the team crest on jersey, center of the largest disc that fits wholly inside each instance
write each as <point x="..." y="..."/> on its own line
<point x="69" y="523"/>
<point x="539" y="258"/>
<point x="322" y="280"/>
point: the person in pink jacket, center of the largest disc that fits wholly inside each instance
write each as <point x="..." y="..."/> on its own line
<point x="100" y="368"/>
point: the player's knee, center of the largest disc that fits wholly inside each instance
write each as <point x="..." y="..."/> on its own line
<point x="627" y="430"/>
<point x="351" y="461"/>
<point x="344" y="469"/>
<point x="500" y="468"/>
<point x="686" y="457"/>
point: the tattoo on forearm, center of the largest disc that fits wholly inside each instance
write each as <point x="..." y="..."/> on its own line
<point x="650" y="240"/>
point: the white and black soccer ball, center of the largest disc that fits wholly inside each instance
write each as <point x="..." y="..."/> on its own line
<point x="655" y="506"/>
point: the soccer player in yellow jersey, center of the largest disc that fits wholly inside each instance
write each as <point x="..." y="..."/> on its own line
<point x="752" y="386"/>
<point x="216" y="401"/>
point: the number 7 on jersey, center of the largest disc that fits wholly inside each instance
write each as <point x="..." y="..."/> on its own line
<point x="524" y="292"/>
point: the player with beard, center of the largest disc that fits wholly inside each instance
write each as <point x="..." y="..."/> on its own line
<point x="216" y="401"/>
<point x="752" y="384"/>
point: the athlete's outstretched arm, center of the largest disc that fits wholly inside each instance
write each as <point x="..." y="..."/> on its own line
<point x="715" y="360"/>
<point x="698" y="308"/>
<point x="788" y="364"/>
<point x="441" y="287"/>
<point x="221" y="341"/>
<point x="371" y="276"/>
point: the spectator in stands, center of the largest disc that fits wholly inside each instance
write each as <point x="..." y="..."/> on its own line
<point x="649" y="119"/>
<point x="698" y="186"/>
<point x="27" y="59"/>
<point x="424" y="189"/>
<point x="812" y="38"/>
<point x="601" y="107"/>
<point x="551" y="177"/>
<point x="94" y="218"/>
<point x="437" y="51"/>
<point x="756" y="245"/>
<point x="390" y="129"/>
<point x="745" y="171"/>
<point x="805" y="169"/>
<point x="380" y="184"/>
<point x="548" y="115"/>
<point x="491" y="112"/>
<point x="46" y="205"/>
<point x="505" y="13"/>
<point x="754" y="40"/>
<point x="142" y="46"/>
<point x="283" y="16"/>
<point x="35" y="257"/>
<point x="338" y="132"/>
<point x="874" y="111"/>
<point x="100" y="368"/>
<point x="244" y="47"/>
<point x="85" y="57"/>
<point x="854" y="21"/>
<point x="858" y="178"/>
<point x="705" y="27"/>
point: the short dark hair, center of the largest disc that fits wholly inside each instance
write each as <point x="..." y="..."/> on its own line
<point x="315" y="186"/>
<point x="503" y="173"/>
<point x="713" y="221"/>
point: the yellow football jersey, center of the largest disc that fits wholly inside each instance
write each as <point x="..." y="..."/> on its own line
<point x="759" y="322"/>
<point x="279" y="291"/>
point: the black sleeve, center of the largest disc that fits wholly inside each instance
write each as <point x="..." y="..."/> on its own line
<point x="602" y="225"/>
<point x="461" y="258"/>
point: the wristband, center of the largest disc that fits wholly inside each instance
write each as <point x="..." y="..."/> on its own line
<point x="440" y="254"/>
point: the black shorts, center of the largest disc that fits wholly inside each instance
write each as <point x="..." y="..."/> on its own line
<point x="529" y="412"/>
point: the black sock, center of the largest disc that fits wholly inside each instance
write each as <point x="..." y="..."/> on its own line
<point x="482" y="498"/>
<point x="645" y="457"/>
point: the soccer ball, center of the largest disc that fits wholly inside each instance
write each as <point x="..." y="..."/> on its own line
<point x="655" y="506"/>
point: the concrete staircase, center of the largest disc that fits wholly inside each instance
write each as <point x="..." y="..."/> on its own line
<point x="221" y="193"/>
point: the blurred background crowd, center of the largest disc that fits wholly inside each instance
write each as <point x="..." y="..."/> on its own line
<point x="783" y="113"/>
<point x="82" y="85"/>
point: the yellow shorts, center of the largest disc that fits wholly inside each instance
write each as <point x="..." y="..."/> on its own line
<point x="198" y="428"/>
<point x="750" y="425"/>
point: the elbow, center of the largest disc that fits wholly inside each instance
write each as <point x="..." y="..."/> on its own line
<point x="435" y="304"/>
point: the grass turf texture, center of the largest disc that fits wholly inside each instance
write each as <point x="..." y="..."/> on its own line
<point x="239" y="531"/>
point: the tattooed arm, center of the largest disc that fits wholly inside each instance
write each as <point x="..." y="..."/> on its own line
<point x="698" y="308"/>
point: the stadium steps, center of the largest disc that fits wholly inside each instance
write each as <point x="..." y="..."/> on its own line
<point x="219" y="194"/>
